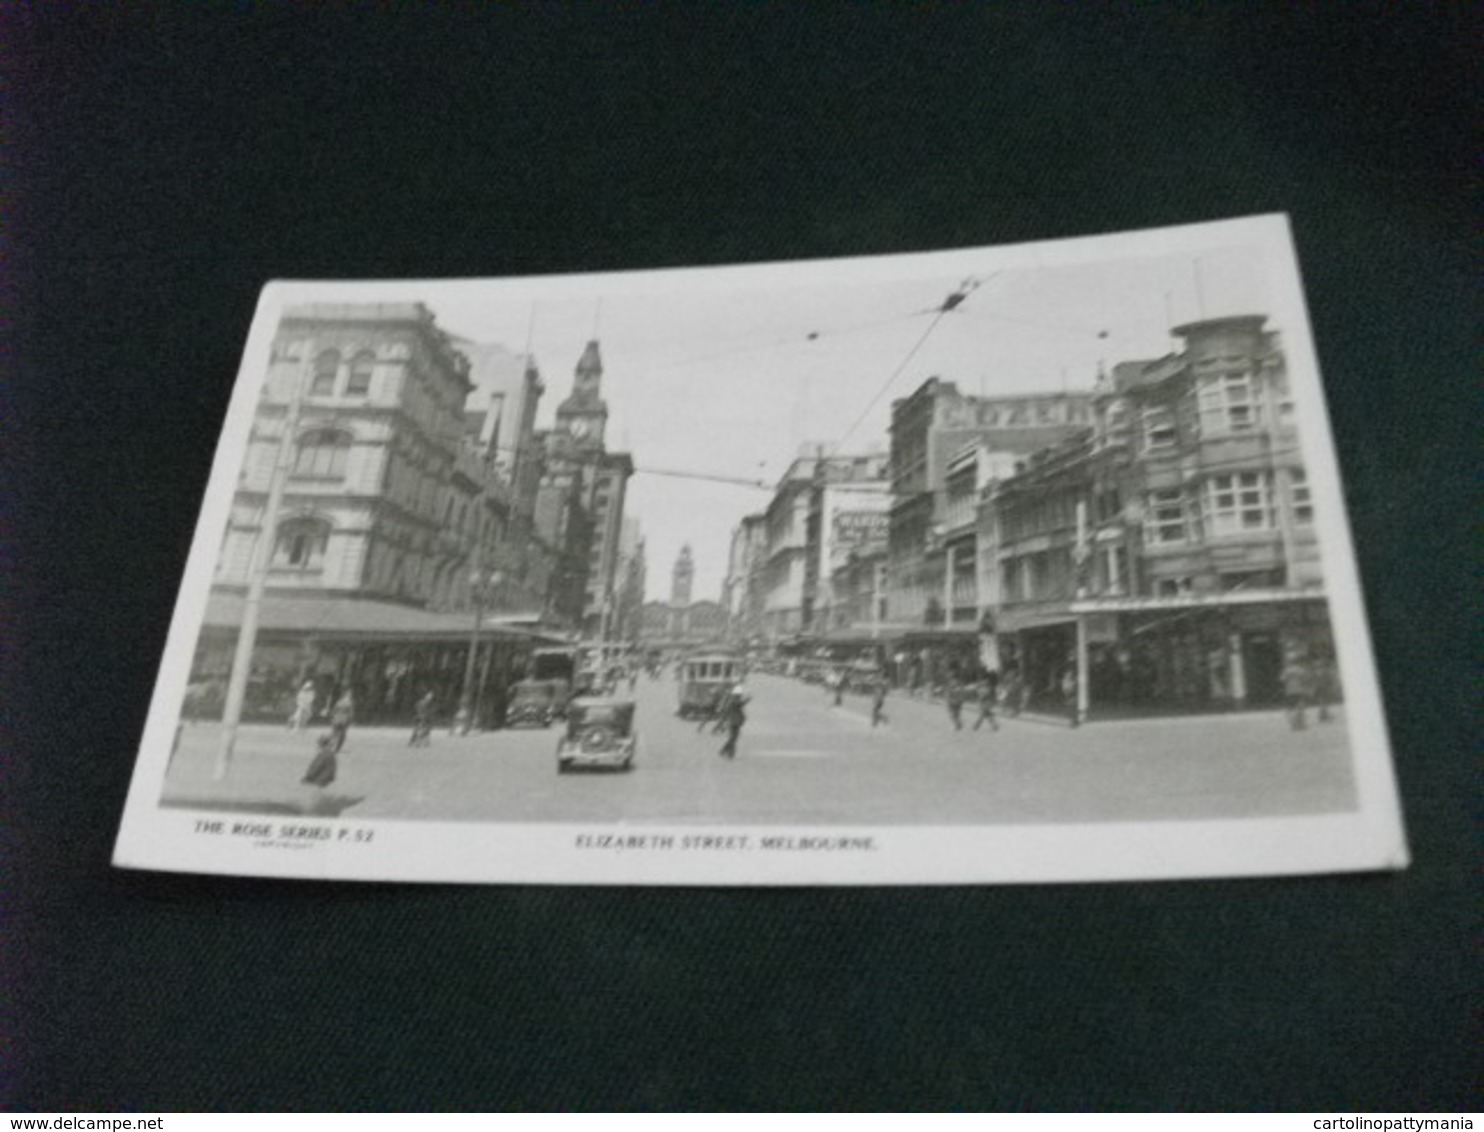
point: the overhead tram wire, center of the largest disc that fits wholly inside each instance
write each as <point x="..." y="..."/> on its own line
<point x="678" y="473"/>
<point x="674" y="473"/>
<point x="780" y="343"/>
<point x="954" y="300"/>
<point x="763" y="485"/>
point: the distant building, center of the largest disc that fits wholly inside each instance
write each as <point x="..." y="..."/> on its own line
<point x="824" y="507"/>
<point x="682" y="622"/>
<point x="626" y="622"/>
<point x="849" y="511"/>
<point x="742" y="588"/>
<point x="500" y="423"/>
<point x="682" y="577"/>
<point x="500" y="413"/>
<point x="785" y="548"/>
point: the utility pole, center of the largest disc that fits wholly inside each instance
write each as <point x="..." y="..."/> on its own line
<point x="1081" y="561"/>
<point x="257" y="569"/>
<point x="483" y="586"/>
<point x="878" y="576"/>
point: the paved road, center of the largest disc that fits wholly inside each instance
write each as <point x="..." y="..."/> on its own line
<point x="803" y="760"/>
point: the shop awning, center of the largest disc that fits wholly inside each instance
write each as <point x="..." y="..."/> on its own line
<point x="1221" y="600"/>
<point x="1015" y="618"/>
<point x="360" y="618"/>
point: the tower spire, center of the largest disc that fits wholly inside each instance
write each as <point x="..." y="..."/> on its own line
<point x="681" y="579"/>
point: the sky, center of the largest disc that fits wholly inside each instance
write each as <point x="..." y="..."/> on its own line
<point x="728" y="372"/>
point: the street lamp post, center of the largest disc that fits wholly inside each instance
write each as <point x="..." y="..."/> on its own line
<point x="482" y="588"/>
<point x="259" y="564"/>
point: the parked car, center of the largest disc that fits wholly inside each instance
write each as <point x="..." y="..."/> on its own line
<point x="599" y="735"/>
<point x="535" y="703"/>
<point x="862" y="677"/>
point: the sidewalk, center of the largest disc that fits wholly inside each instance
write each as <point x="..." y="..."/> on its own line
<point x="1101" y="714"/>
<point x="267" y="764"/>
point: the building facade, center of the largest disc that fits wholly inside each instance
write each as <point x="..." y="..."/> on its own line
<point x="822" y="507"/>
<point x="785" y="549"/>
<point x="383" y="498"/>
<point x="849" y="512"/>
<point x="581" y="501"/>
<point x="683" y="622"/>
<point x="500" y="423"/>
<point x="742" y="588"/>
<point x="930" y="574"/>
<point x="1168" y="557"/>
<point x="370" y="519"/>
<point x="626" y="621"/>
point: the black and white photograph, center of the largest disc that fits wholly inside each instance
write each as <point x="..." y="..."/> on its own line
<point x="998" y="564"/>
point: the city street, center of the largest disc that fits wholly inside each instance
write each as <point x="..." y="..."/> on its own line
<point x="801" y="760"/>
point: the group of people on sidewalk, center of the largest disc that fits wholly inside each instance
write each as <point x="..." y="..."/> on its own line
<point x="985" y="694"/>
<point x="835" y="684"/>
<point x="956" y="694"/>
<point x="1308" y="683"/>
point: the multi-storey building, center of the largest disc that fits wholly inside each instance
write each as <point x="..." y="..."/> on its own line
<point x="742" y="588"/>
<point x="848" y="513"/>
<point x="500" y="422"/>
<point x="366" y="516"/>
<point x="1169" y="556"/>
<point x="932" y="426"/>
<point x="968" y="472"/>
<point x="581" y="501"/>
<point x="785" y="549"/>
<point x="500" y="413"/>
<point x="626" y="621"/>
<point x="822" y="506"/>
<point x="383" y="499"/>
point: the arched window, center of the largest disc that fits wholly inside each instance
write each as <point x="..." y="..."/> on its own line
<point x="359" y="382"/>
<point x="322" y="454"/>
<point x="301" y="544"/>
<point x="326" y="367"/>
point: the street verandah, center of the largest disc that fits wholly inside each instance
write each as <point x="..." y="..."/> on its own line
<point x="1171" y="658"/>
<point x="388" y="658"/>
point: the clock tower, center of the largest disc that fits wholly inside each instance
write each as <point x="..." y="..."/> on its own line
<point x="583" y="416"/>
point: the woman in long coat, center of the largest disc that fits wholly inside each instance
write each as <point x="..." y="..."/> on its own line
<point x="341" y="717"/>
<point x="322" y="769"/>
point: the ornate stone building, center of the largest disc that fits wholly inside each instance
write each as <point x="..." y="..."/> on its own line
<point x="1170" y="554"/>
<point x="581" y="505"/>
<point x="384" y="498"/>
<point x="375" y="520"/>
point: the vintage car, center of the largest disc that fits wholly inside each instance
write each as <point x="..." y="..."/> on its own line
<point x="862" y="676"/>
<point x="535" y="703"/>
<point x="704" y="681"/>
<point x="599" y="735"/>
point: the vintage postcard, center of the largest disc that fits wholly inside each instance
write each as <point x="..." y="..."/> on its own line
<point x="992" y="565"/>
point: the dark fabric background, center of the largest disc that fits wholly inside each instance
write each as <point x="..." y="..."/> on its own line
<point x="164" y="161"/>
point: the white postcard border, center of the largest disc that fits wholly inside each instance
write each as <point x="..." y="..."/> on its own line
<point x="1371" y="837"/>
